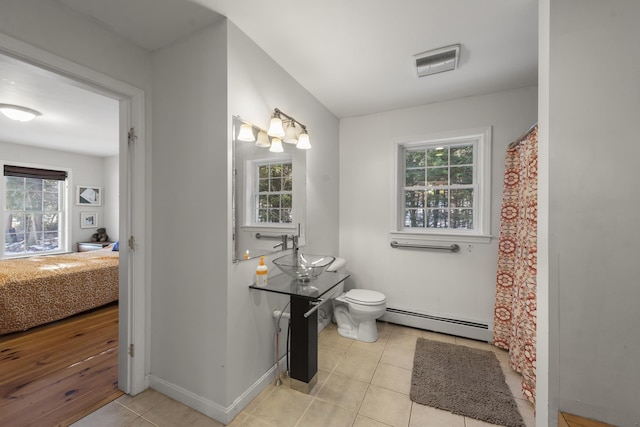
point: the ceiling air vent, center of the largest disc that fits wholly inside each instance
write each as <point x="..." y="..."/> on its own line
<point x="437" y="60"/>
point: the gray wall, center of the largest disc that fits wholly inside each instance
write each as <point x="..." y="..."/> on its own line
<point x="593" y="151"/>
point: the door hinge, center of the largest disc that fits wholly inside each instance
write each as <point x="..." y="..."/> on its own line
<point x="131" y="136"/>
<point x="131" y="350"/>
<point x="132" y="243"/>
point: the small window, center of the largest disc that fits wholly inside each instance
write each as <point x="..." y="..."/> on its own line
<point x="274" y="193"/>
<point x="443" y="185"/>
<point x="33" y="210"/>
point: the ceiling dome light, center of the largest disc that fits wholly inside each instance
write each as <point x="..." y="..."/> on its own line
<point x="16" y="112"/>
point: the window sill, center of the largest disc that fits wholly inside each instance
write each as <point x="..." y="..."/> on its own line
<point x="411" y="237"/>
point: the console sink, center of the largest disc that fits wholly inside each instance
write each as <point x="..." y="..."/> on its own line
<point x="303" y="267"/>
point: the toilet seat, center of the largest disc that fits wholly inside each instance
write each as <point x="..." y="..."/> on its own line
<point x="365" y="297"/>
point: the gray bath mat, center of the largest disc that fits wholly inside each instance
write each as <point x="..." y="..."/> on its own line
<point x="462" y="380"/>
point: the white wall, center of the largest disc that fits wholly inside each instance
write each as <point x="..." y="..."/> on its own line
<point x="257" y="85"/>
<point x="460" y="286"/>
<point x="85" y="170"/>
<point x="111" y="197"/>
<point x="594" y="105"/>
<point x="190" y="217"/>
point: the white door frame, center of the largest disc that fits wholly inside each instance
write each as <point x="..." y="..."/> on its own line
<point x="133" y="267"/>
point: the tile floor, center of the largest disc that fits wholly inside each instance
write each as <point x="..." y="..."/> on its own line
<point x="359" y="385"/>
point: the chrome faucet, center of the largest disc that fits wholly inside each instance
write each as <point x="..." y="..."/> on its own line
<point x="294" y="244"/>
<point x="283" y="243"/>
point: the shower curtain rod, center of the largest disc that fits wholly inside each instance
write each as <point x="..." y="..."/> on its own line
<point x="523" y="136"/>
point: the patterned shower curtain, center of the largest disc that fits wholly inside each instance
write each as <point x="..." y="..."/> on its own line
<point x="515" y="305"/>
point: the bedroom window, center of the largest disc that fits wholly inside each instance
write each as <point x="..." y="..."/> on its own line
<point x="273" y="196"/>
<point x="443" y="185"/>
<point x="33" y="210"/>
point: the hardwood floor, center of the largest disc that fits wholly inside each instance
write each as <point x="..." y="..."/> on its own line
<point x="569" y="420"/>
<point x="55" y="374"/>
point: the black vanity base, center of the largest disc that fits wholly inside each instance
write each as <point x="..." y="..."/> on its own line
<point x="304" y="345"/>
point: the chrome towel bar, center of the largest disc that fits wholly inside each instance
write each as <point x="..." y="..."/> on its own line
<point x="270" y="236"/>
<point x="453" y="247"/>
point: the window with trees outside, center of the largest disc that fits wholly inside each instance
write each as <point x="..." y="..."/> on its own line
<point x="33" y="210"/>
<point x="444" y="185"/>
<point x="274" y="192"/>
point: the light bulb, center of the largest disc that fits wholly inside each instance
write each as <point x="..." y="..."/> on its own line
<point x="276" y="145"/>
<point x="263" y="139"/>
<point x="275" y="128"/>
<point x="246" y="133"/>
<point x="303" y="141"/>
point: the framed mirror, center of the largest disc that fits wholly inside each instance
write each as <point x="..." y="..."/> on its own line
<point x="269" y="192"/>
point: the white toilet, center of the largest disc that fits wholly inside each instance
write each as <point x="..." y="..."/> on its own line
<point x="356" y="311"/>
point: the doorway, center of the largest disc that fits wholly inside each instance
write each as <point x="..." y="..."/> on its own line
<point x="132" y="206"/>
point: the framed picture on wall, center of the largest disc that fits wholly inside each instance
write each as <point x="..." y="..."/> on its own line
<point x="88" y="196"/>
<point x="88" y="220"/>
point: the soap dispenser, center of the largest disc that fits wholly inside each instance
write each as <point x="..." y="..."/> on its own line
<point x="261" y="273"/>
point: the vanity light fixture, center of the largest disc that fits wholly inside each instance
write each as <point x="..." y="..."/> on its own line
<point x="291" y="136"/>
<point x="19" y="113"/>
<point x="246" y="133"/>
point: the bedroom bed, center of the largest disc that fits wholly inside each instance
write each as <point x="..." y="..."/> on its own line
<point x="42" y="289"/>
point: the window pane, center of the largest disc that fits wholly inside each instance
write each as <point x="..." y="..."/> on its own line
<point x="33" y="184"/>
<point x="462" y="198"/>
<point x="415" y="177"/>
<point x="276" y="171"/>
<point x="33" y="201"/>
<point x="274" y="215"/>
<point x="286" y="201"/>
<point x="438" y="198"/>
<point x="414" y="199"/>
<point x="14" y="183"/>
<point x="274" y="201"/>
<point x="50" y="202"/>
<point x="415" y="159"/>
<point x="276" y="184"/>
<point x="51" y="241"/>
<point x="263" y="172"/>
<point x="287" y="183"/>
<point x="462" y="175"/>
<point x="437" y="218"/>
<point x="438" y="176"/>
<point x="462" y="155"/>
<point x="438" y="156"/>
<point x="15" y="201"/>
<point x="263" y="201"/>
<point x="51" y="185"/>
<point x="287" y="170"/>
<point x="414" y="218"/>
<point x="50" y="222"/>
<point x="462" y="218"/>
<point x="287" y="215"/>
<point x="263" y="185"/>
<point x="262" y="215"/>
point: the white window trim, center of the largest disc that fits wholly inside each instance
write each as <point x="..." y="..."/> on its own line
<point x="251" y="190"/>
<point x="483" y="233"/>
<point x="65" y="238"/>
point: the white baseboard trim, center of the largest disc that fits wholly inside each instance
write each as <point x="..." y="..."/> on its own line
<point x="461" y="328"/>
<point x="212" y="409"/>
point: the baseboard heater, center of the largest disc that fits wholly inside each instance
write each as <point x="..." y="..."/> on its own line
<point x="458" y="327"/>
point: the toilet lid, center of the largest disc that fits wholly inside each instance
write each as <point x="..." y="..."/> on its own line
<point x="365" y="297"/>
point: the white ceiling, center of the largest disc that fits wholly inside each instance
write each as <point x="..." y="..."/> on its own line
<point x="355" y="56"/>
